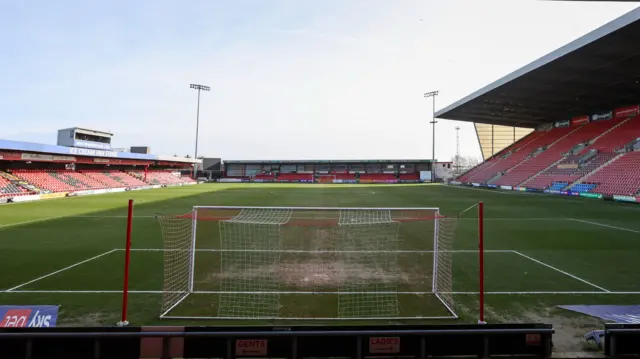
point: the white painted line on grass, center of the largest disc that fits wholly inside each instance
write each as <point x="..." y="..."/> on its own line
<point x="561" y="271"/>
<point x="485" y="190"/>
<point x="31" y="221"/>
<point x="412" y="293"/>
<point x="311" y="251"/>
<point x="61" y="270"/>
<point x="467" y="219"/>
<point x="546" y="293"/>
<point x="604" y="225"/>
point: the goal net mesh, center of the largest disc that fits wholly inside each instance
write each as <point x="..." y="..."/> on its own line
<point x="300" y="263"/>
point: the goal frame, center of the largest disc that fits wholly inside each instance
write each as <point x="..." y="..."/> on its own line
<point x="193" y="251"/>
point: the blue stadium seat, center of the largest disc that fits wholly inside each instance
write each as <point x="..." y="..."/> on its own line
<point x="583" y="187"/>
<point x="558" y="186"/>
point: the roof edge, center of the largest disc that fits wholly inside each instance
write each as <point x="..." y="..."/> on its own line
<point x="582" y="41"/>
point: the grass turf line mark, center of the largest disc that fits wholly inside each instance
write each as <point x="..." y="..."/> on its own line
<point x="60" y="270"/>
<point x="312" y="251"/>
<point x="604" y="225"/>
<point x="415" y="293"/>
<point x="561" y="271"/>
<point x="30" y="221"/>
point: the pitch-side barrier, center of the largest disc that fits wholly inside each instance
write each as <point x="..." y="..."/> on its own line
<point x="482" y="340"/>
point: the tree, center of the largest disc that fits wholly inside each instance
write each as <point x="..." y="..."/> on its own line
<point x="462" y="164"/>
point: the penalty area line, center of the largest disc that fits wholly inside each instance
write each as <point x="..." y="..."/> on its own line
<point x="59" y="271"/>
<point x="561" y="271"/>
<point x="604" y="225"/>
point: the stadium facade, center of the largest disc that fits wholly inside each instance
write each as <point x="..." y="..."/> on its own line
<point x="336" y="171"/>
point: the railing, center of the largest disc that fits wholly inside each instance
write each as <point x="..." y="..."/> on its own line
<point x="276" y="342"/>
<point x="621" y="339"/>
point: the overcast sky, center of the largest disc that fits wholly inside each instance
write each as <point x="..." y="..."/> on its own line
<point x="290" y="79"/>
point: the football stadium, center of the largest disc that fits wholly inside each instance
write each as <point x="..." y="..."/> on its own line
<point x="107" y="253"/>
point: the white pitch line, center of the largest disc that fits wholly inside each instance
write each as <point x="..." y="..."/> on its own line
<point x="561" y="271"/>
<point x="61" y="270"/>
<point x="604" y="225"/>
<point x="31" y="221"/>
<point x="411" y="293"/>
<point x="319" y="218"/>
<point x="310" y="251"/>
<point x="545" y="293"/>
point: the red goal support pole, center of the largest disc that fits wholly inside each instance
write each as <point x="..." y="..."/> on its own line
<point x="127" y="258"/>
<point x="481" y="258"/>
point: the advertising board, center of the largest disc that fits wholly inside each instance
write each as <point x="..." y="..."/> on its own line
<point x="29" y="198"/>
<point x="28" y="316"/>
<point x="508" y="188"/>
<point x="602" y="116"/>
<point x="492" y="186"/>
<point x="230" y="180"/>
<point x="627" y="111"/>
<point x="628" y="199"/>
<point x="590" y="195"/>
<point x="251" y="347"/>
<point x="53" y="195"/>
<point x="384" y="345"/>
<point x="576" y="121"/>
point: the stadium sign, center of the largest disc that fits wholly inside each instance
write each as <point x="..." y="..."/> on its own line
<point x="590" y="195"/>
<point x="625" y="199"/>
<point x="562" y="123"/>
<point x="251" y="347"/>
<point x="91" y="144"/>
<point x="576" y="121"/>
<point x="384" y="345"/>
<point x="91" y="152"/>
<point x="28" y="316"/>
<point x="628" y="111"/>
<point x="602" y="116"/>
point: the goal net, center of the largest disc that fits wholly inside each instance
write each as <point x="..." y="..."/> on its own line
<point x="308" y="263"/>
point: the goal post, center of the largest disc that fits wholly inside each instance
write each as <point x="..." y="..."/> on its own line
<point x="305" y="263"/>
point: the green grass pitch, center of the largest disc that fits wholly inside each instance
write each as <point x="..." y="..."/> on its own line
<point x="542" y="250"/>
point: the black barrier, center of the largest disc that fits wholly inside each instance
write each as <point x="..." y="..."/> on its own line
<point x="70" y="343"/>
<point x="621" y="339"/>
<point x="282" y="342"/>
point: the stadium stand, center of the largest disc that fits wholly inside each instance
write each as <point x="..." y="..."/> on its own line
<point x="8" y="188"/>
<point x="409" y="176"/>
<point x="517" y="156"/>
<point x="102" y="177"/>
<point x="124" y="179"/>
<point x="377" y="176"/>
<point x="469" y="175"/>
<point x="620" y="177"/>
<point x="557" y="158"/>
<point x="296" y="176"/>
<point x="69" y="180"/>
<point x="265" y="176"/>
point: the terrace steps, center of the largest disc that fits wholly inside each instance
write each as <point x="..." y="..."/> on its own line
<point x="579" y="180"/>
